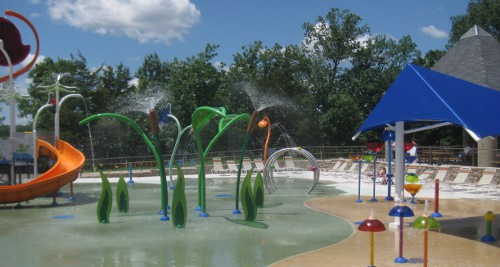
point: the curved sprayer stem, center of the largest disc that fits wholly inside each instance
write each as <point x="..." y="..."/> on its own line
<point x="180" y="132"/>
<point x="58" y="109"/>
<point x="35" y="137"/>
<point x="267" y="137"/>
<point x="200" y="118"/>
<point x="153" y="121"/>
<point x="251" y="125"/>
<point x="253" y="120"/>
<point x="164" y="193"/>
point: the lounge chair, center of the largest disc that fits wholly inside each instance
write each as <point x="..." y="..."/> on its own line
<point x="461" y="178"/>
<point x="412" y="169"/>
<point x="441" y="173"/>
<point x="279" y="168"/>
<point x="426" y="175"/>
<point x="352" y="168"/>
<point x="340" y="168"/>
<point x="335" y="167"/>
<point x="247" y="164"/>
<point x="233" y="168"/>
<point x="290" y="165"/>
<point x="218" y="167"/>
<point x="484" y="181"/>
<point x="259" y="165"/>
<point x="364" y="167"/>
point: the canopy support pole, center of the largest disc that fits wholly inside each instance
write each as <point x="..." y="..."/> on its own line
<point x="399" y="160"/>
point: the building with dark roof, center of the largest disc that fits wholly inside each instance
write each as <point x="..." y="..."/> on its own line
<point x="475" y="58"/>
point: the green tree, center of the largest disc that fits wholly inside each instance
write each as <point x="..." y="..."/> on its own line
<point x="350" y="71"/>
<point x="99" y="89"/>
<point x="194" y="82"/>
<point x="336" y="38"/>
<point x="430" y="58"/>
<point x="375" y="66"/>
<point x="74" y="73"/>
<point x="154" y="74"/>
<point x="273" y="81"/>
<point x="331" y="43"/>
<point x="114" y="84"/>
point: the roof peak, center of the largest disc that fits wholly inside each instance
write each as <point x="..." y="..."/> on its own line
<point x="475" y="31"/>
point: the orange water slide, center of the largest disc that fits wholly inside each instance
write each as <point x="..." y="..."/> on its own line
<point x="69" y="162"/>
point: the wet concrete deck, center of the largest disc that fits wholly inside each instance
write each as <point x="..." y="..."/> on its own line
<point x="457" y="244"/>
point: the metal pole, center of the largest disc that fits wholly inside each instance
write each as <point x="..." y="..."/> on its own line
<point x="359" y="183"/>
<point x="130" y="181"/>
<point x="389" y="173"/>
<point x="399" y="161"/>
<point x="374" y="178"/>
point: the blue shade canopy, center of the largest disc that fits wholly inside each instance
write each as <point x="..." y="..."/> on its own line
<point x="420" y="94"/>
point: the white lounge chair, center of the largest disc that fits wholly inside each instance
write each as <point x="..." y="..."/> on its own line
<point x="461" y="178"/>
<point x="352" y="169"/>
<point x="233" y="168"/>
<point x="412" y="169"/>
<point x="290" y="165"/>
<point x="335" y="167"/>
<point x="279" y="168"/>
<point x="247" y="164"/>
<point x="259" y="165"/>
<point x="364" y="167"/>
<point x="441" y="173"/>
<point x="425" y="176"/>
<point x="341" y="169"/>
<point x="484" y="181"/>
<point x="218" y="167"/>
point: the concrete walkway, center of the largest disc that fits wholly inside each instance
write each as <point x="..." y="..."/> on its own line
<point x="457" y="244"/>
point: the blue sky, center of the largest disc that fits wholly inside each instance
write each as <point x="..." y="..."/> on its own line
<point x="113" y="31"/>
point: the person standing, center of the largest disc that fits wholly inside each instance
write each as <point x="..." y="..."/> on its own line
<point x="413" y="151"/>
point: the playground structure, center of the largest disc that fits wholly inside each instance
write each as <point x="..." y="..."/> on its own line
<point x="68" y="160"/>
<point x="12" y="53"/>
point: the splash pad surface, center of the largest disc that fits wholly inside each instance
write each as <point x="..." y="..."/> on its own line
<point x="40" y="235"/>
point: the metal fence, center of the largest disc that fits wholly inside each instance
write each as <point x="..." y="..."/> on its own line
<point x="426" y="154"/>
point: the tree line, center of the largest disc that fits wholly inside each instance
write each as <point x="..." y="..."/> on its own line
<point x="320" y="91"/>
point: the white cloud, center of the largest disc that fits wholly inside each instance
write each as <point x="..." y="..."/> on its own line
<point x="35" y="15"/>
<point x="29" y="58"/>
<point x="363" y="40"/>
<point x="144" y="20"/>
<point x="434" y="32"/>
<point x="319" y="28"/>
<point x="134" y="81"/>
